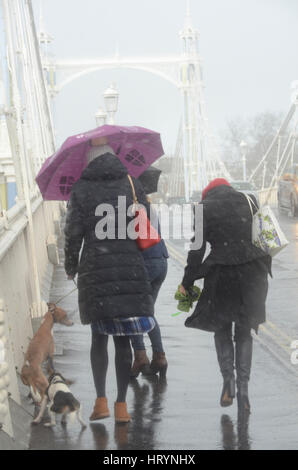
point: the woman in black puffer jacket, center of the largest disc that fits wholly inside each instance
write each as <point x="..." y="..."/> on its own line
<point x="114" y="290"/>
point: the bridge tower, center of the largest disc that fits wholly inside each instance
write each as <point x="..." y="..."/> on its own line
<point x="191" y="88"/>
<point x="184" y="70"/>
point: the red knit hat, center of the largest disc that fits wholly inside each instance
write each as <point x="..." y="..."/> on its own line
<point x="213" y="184"/>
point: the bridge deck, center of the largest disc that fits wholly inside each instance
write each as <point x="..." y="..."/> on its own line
<point x="185" y="413"/>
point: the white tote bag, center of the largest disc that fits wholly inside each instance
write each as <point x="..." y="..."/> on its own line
<point x="266" y="231"/>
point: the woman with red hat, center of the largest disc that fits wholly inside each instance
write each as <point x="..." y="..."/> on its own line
<point x="235" y="285"/>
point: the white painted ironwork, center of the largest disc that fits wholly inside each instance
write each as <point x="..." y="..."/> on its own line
<point x="26" y="108"/>
<point x="284" y="142"/>
<point x="100" y="117"/>
<point x="201" y="159"/>
<point x="177" y="177"/>
<point x="111" y="97"/>
<point x="268" y="196"/>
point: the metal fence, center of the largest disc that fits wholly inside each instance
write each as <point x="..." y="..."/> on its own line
<point x="268" y="196"/>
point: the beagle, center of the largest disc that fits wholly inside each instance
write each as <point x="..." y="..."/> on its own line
<point x="60" y="401"/>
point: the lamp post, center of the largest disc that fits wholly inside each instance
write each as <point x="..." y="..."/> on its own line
<point x="100" y="117"/>
<point x="111" y="97"/>
<point x="264" y="175"/>
<point x="243" y="147"/>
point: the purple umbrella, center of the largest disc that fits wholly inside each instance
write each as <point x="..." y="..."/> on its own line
<point x="136" y="147"/>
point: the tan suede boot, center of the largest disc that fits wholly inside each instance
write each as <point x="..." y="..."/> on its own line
<point x="100" y="410"/>
<point x="141" y="364"/>
<point x="121" y="415"/>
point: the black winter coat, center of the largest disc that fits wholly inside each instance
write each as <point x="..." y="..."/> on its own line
<point x="235" y="272"/>
<point x="112" y="279"/>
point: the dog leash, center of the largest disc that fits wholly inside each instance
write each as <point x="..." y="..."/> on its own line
<point x="64" y="296"/>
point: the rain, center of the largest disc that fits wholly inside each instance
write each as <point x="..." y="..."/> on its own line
<point x="148" y="227"/>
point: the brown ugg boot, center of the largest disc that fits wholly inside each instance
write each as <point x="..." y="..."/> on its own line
<point x="159" y="364"/>
<point x="100" y="410"/>
<point x="121" y="415"/>
<point x="141" y="364"/>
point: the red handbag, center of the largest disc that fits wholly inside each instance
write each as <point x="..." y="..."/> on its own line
<point x="148" y="236"/>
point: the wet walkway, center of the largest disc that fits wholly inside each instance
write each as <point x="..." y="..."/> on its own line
<point x="184" y="413"/>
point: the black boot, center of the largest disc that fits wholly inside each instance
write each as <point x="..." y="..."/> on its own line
<point x="243" y="402"/>
<point x="225" y="355"/>
<point x="243" y="367"/>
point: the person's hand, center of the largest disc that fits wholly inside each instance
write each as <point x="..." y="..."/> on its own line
<point x="70" y="277"/>
<point x="182" y="290"/>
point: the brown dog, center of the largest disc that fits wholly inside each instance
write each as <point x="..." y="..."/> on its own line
<point x="40" y="349"/>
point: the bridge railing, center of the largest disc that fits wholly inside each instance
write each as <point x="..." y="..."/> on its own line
<point x="268" y="196"/>
<point x="17" y="293"/>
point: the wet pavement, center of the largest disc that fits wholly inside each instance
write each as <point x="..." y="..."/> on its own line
<point x="184" y="412"/>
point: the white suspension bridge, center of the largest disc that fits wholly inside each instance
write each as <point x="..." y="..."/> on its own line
<point x="28" y="226"/>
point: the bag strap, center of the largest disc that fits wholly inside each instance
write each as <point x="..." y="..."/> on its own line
<point x="135" y="199"/>
<point x="251" y="203"/>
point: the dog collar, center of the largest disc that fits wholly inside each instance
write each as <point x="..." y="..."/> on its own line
<point x="52" y="312"/>
<point x="58" y="382"/>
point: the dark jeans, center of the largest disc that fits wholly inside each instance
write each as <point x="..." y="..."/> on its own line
<point x="157" y="270"/>
<point x="240" y="332"/>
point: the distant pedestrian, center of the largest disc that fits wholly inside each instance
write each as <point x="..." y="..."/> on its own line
<point x="235" y="285"/>
<point x="156" y="264"/>
<point x="114" y="289"/>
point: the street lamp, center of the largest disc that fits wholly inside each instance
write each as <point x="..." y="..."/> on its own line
<point x="264" y="174"/>
<point x="111" y="97"/>
<point x="243" y="147"/>
<point x="100" y="117"/>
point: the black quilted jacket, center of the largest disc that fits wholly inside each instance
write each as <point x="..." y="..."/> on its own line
<point x="112" y="280"/>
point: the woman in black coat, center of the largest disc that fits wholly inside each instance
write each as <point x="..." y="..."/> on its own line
<point x="114" y="289"/>
<point x="235" y="285"/>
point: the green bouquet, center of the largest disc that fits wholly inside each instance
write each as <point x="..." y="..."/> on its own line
<point x="185" y="302"/>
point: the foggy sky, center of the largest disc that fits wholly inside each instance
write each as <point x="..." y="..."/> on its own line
<point x="248" y="48"/>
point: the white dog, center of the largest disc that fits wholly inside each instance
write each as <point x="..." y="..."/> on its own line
<point x="59" y="401"/>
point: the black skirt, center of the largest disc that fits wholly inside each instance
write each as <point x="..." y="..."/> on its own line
<point x="232" y="294"/>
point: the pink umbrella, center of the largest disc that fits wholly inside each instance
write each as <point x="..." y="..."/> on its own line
<point x="136" y="147"/>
